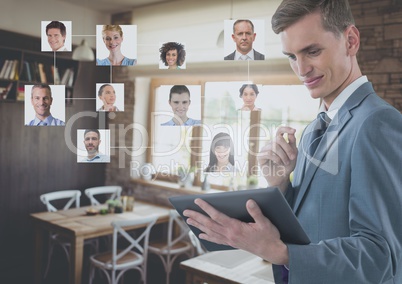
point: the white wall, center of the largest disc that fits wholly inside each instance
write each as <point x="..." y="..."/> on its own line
<point x="198" y="25"/>
<point x="25" y="16"/>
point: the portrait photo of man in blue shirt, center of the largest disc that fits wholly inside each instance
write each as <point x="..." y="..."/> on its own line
<point x="42" y="100"/>
<point x="92" y="140"/>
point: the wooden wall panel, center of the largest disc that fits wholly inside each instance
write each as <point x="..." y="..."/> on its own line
<point x="36" y="160"/>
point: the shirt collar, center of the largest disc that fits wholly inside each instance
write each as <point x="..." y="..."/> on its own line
<point x="47" y="121"/>
<point x="342" y="97"/>
<point x="250" y="54"/>
<point x="97" y="156"/>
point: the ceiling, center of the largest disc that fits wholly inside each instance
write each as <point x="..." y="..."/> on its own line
<point x="113" y="6"/>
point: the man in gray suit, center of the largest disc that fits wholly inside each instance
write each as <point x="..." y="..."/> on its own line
<point x="244" y="36"/>
<point x="347" y="193"/>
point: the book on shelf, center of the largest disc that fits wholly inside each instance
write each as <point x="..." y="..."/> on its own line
<point x="68" y="77"/>
<point x="14" y="70"/>
<point x="2" y="91"/>
<point x="56" y="75"/>
<point x="4" y="68"/>
<point x="21" y="93"/>
<point x="35" y="69"/>
<point x="5" y="91"/>
<point x="26" y="72"/>
<point x="42" y="74"/>
<point x="10" y="70"/>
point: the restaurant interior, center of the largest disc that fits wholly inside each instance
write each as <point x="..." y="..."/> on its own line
<point x="149" y="163"/>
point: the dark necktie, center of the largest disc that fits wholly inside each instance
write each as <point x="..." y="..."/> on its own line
<point x="315" y="136"/>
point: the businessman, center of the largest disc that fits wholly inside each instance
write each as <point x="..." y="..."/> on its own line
<point x="41" y="100"/>
<point x="244" y="36"/>
<point x="92" y="140"/>
<point x="347" y="192"/>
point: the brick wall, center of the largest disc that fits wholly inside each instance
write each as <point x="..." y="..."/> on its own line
<point x="380" y="25"/>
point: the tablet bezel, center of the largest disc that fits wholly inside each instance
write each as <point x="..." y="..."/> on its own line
<point x="233" y="203"/>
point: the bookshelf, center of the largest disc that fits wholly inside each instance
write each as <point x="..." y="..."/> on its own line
<point x="28" y="66"/>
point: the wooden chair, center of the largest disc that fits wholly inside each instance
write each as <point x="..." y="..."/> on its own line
<point x="177" y="243"/>
<point x="199" y="248"/>
<point x="114" y="192"/>
<point x="134" y="256"/>
<point x="69" y="197"/>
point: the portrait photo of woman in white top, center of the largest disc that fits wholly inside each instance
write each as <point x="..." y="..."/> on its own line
<point x="248" y="93"/>
<point x="110" y="97"/>
<point x="221" y="154"/>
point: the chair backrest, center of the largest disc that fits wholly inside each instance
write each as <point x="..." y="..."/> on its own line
<point x="113" y="190"/>
<point x="174" y="236"/>
<point x="72" y="195"/>
<point x="139" y="243"/>
<point x="196" y="243"/>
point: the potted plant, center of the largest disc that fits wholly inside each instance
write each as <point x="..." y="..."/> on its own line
<point x="114" y="206"/>
<point x="252" y="182"/>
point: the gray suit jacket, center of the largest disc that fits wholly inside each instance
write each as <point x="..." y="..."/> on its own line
<point x="350" y="204"/>
<point x="257" y="56"/>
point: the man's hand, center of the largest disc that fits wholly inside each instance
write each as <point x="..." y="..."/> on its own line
<point x="278" y="158"/>
<point x="260" y="237"/>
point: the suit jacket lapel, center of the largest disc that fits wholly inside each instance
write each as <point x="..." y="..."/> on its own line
<point x="331" y="142"/>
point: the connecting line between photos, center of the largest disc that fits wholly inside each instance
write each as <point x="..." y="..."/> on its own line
<point x="248" y="70"/>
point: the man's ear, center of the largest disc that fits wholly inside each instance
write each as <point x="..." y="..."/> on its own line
<point x="352" y="35"/>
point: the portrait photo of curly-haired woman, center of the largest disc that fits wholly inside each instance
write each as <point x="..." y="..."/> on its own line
<point x="172" y="56"/>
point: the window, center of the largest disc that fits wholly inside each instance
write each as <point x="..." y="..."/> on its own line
<point x="219" y="105"/>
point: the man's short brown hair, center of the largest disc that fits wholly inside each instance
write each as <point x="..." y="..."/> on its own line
<point x="336" y="14"/>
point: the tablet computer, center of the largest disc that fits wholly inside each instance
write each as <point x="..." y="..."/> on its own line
<point x="233" y="203"/>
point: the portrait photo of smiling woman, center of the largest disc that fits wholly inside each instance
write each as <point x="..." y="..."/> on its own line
<point x="172" y="56"/>
<point x="116" y="45"/>
<point x="221" y="154"/>
<point x="249" y="93"/>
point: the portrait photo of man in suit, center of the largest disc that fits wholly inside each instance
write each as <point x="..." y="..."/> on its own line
<point x="244" y="36"/>
<point x="343" y="179"/>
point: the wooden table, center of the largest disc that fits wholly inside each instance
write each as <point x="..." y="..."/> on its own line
<point x="77" y="227"/>
<point x="227" y="267"/>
